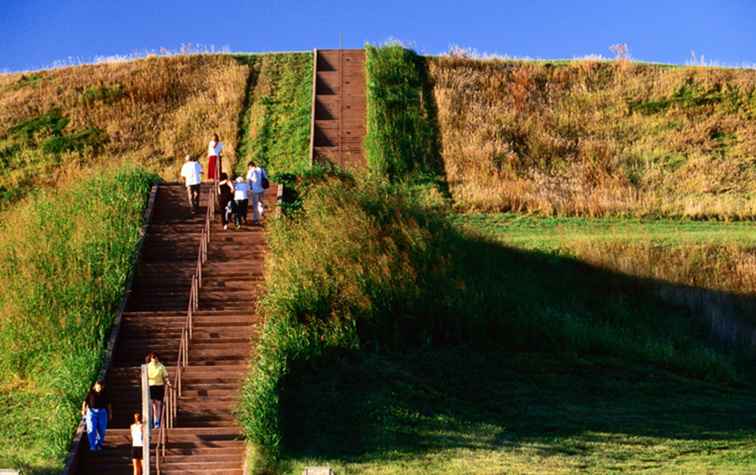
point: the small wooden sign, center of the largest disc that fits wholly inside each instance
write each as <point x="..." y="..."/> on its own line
<point x="318" y="471"/>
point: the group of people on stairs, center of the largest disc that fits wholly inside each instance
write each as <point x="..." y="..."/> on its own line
<point x="234" y="200"/>
<point x="234" y="194"/>
<point x="97" y="411"/>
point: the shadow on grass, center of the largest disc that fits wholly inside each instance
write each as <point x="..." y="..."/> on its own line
<point x="367" y="406"/>
<point x="539" y="349"/>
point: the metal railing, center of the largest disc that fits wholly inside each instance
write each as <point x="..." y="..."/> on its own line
<point x="173" y="393"/>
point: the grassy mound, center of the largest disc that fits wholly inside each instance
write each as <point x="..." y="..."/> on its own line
<point x="64" y="259"/>
<point x="595" y="138"/>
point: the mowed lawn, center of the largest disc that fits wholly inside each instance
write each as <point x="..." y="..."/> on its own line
<point x="461" y="410"/>
<point x="549" y="233"/>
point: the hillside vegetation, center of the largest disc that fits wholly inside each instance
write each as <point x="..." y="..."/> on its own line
<point x="151" y="111"/>
<point x="597" y="137"/>
<point x="275" y="126"/>
<point x="367" y="285"/>
<point x="64" y="258"/>
<point x="397" y="341"/>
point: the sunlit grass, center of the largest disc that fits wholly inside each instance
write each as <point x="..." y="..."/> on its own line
<point x="64" y="258"/>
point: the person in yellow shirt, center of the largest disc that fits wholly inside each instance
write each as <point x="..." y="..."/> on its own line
<point x="157" y="377"/>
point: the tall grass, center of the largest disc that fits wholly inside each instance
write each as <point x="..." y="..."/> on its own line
<point x="64" y="259"/>
<point x="153" y="111"/>
<point x="276" y="126"/>
<point x="597" y="137"/>
<point x="401" y="136"/>
<point x="368" y="267"/>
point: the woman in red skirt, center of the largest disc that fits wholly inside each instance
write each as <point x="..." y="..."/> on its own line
<point x="214" y="165"/>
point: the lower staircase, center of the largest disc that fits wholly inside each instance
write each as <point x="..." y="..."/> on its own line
<point x="205" y="439"/>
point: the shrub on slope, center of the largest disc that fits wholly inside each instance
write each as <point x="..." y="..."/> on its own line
<point x="153" y="111"/>
<point x="589" y="137"/>
<point x="64" y="259"/>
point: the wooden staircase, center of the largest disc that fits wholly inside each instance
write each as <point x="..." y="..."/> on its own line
<point x="206" y="438"/>
<point x="338" y="107"/>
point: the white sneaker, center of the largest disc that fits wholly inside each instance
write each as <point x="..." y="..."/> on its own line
<point x="225" y="227"/>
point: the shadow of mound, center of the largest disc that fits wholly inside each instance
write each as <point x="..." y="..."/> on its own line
<point x="362" y="407"/>
<point x="528" y="349"/>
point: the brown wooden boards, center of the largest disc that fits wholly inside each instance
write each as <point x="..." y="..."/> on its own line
<point x="339" y="107"/>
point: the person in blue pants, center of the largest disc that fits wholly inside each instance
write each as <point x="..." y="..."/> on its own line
<point x="98" y="412"/>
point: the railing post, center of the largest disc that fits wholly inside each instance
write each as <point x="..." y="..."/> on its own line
<point x="186" y="348"/>
<point x="178" y="373"/>
<point x="146" y="419"/>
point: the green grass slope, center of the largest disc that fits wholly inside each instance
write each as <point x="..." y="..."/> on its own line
<point x="64" y="259"/>
<point x="275" y="126"/>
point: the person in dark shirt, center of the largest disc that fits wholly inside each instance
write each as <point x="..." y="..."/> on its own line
<point x="97" y="411"/>
<point x="226" y="192"/>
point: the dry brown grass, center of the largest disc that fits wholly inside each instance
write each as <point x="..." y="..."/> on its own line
<point x="154" y="110"/>
<point x="729" y="268"/>
<point x="593" y="138"/>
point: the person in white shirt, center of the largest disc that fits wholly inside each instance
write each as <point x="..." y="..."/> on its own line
<point x="137" y="443"/>
<point x="214" y="164"/>
<point x="241" y="198"/>
<point x="191" y="172"/>
<point x="258" y="181"/>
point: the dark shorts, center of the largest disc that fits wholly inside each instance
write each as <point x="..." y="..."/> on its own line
<point x="136" y="453"/>
<point x="194" y="188"/>
<point x="157" y="393"/>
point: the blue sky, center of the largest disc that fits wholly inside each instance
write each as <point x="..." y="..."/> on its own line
<point x="37" y="33"/>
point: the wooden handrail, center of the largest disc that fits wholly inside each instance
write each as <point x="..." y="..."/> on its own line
<point x="182" y="360"/>
<point x="146" y="418"/>
<point x="170" y="408"/>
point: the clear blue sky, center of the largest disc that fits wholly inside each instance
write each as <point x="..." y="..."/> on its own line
<point x="36" y="33"/>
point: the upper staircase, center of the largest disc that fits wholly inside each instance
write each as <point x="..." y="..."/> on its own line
<point x="338" y="107"/>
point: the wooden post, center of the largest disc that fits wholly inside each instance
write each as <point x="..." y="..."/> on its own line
<point x="146" y="419"/>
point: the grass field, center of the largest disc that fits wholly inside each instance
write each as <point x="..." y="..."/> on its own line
<point x="551" y="233"/>
<point x="391" y="340"/>
<point x="703" y="254"/>
<point x="459" y="410"/>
